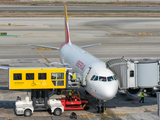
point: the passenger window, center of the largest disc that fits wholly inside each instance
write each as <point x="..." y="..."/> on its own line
<point x="42" y="76"/>
<point x="57" y="75"/>
<point x="17" y="76"/>
<point x="110" y="78"/>
<point x="29" y="76"/>
<point x="53" y="75"/>
<point x="60" y="75"/>
<point x="131" y="73"/>
<point x="92" y="77"/>
<point x="102" y="78"/>
<point x="58" y="83"/>
<point x="96" y="78"/>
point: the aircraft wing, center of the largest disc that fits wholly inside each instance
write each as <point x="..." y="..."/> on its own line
<point x="85" y="46"/>
<point x="56" y="48"/>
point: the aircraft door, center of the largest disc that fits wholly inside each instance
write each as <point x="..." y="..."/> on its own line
<point x="84" y="81"/>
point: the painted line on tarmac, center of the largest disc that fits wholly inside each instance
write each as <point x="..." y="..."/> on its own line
<point x="88" y="100"/>
<point x="91" y="116"/>
<point x="87" y="116"/>
<point x="45" y="57"/>
<point x="124" y="33"/>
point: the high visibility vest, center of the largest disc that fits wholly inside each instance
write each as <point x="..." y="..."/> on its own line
<point x="70" y="94"/>
<point x="142" y="94"/>
<point x="74" y="76"/>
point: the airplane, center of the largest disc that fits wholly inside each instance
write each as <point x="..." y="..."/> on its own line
<point x="96" y="79"/>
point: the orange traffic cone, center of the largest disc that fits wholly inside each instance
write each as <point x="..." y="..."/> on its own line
<point x="134" y="101"/>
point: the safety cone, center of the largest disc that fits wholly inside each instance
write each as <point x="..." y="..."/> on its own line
<point x="134" y="101"/>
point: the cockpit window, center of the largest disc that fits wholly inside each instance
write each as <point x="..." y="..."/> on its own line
<point x="96" y="78"/>
<point x="102" y="78"/>
<point x="92" y="77"/>
<point x="115" y="78"/>
<point x="110" y="78"/>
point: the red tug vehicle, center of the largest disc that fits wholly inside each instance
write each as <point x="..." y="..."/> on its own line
<point x="74" y="102"/>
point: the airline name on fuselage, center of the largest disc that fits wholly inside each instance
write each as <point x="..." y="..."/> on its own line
<point x="80" y="65"/>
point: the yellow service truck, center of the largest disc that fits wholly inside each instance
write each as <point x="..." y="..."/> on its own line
<point x="39" y="80"/>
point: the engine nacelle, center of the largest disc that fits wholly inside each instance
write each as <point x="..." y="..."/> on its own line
<point x="133" y="92"/>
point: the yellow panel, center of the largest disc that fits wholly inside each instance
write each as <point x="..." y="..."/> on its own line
<point x="35" y="84"/>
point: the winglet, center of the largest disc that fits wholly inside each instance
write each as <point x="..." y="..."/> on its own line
<point x="67" y="37"/>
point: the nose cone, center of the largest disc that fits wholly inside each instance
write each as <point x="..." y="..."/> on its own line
<point x="109" y="90"/>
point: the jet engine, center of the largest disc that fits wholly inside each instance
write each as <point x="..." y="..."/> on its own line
<point x="133" y="92"/>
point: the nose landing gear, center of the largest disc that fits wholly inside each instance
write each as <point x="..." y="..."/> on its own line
<point x="101" y="107"/>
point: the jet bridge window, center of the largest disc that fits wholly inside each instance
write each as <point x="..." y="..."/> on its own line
<point x="17" y="76"/>
<point x="131" y="73"/>
<point x="110" y="78"/>
<point x="102" y="78"/>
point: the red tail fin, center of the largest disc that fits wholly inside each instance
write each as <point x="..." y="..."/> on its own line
<point x="67" y="37"/>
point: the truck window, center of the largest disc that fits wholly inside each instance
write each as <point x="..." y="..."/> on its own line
<point x="42" y="76"/>
<point x="29" y="76"/>
<point x="17" y="76"/>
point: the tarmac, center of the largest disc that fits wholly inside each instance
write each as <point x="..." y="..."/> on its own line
<point x="129" y="37"/>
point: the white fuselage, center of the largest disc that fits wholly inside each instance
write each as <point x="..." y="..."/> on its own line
<point x="80" y="60"/>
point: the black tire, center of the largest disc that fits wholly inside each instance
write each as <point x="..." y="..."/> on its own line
<point x="58" y="91"/>
<point x="75" y="116"/>
<point x="86" y="107"/>
<point x="57" y="112"/>
<point x="102" y="109"/>
<point x="49" y="111"/>
<point x="71" y="116"/>
<point x="27" y="113"/>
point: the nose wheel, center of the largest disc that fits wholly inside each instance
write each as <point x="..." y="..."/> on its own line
<point x="101" y="107"/>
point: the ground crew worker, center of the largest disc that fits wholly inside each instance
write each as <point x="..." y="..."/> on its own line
<point x="74" y="77"/>
<point x="70" y="94"/>
<point x="142" y="97"/>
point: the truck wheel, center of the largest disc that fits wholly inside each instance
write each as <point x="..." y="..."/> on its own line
<point x="57" y="112"/>
<point x="27" y="113"/>
<point x="58" y="91"/>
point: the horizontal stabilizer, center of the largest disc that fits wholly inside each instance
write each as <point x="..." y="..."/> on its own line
<point x="56" y="48"/>
<point x="90" y="45"/>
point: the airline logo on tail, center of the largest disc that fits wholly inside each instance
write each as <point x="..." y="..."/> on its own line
<point x="67" y="37"/>
<point x="66" y="26"/>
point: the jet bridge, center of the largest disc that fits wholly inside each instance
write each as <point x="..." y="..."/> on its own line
<point x="142" y="73"/>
